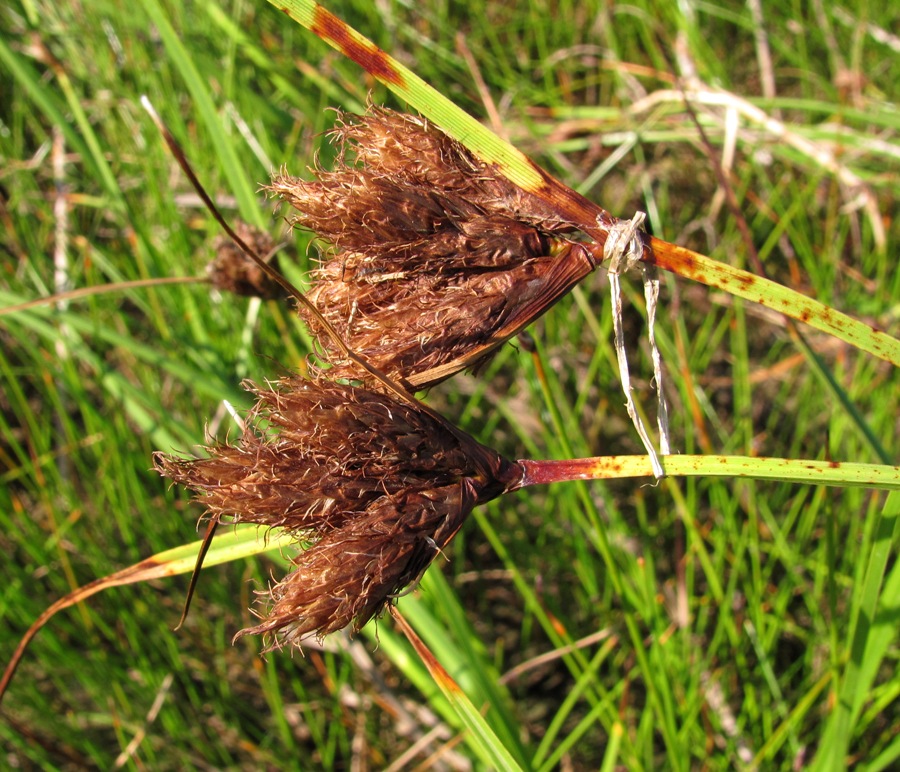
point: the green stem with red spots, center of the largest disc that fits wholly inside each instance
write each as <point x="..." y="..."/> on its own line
<point x="781" y="469"/>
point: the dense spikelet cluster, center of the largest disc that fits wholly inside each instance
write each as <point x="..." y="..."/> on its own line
<point x="378" y="485"/>
<point x="431" y="260"/>
<point x="434" y="258"/>
<point x="233" y="271"/>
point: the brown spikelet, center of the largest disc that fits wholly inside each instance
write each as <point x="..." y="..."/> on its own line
<point x="435" y="259"/>
<point x="350" y="573"/>
<point x="378" y="485"/>
<point x="232" y="271"/>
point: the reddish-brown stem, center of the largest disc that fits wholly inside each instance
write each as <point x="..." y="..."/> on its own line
<point x="552" y="471"/>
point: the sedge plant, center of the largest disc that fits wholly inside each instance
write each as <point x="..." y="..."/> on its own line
<point x="848" y="681"/>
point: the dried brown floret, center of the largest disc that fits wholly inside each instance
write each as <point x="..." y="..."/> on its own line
<point x="233" y="271"/>
<point x="350" y="573"/>
<point x="378" y="485"/>
<point x="435" y="259"/>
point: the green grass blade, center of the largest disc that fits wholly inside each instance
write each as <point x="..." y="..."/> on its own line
<point x="235" y="172"/>
<point x="770" y="294"/>
<point x="871" y="633"/>
<point x="411" y="88"/>
<point x="790" y="723"/>
<point x="241" y="542"/>
<point x="490" y="748"/>
<point x="49" y="103"/>
<point x="454" y="643"/>
<point x="234" y="543"/>
<point x="611" y="756"/>
<point x="887" y="759"/>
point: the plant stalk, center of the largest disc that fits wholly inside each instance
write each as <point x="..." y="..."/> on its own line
<point x="782" y="469"/>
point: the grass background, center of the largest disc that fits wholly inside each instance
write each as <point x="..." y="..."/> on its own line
<point x="693" y="624"/>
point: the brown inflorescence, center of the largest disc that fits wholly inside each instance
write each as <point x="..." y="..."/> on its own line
<point x="233" y="271"/>
<point x="434" y="258"/>
<point x="379" y="486"/>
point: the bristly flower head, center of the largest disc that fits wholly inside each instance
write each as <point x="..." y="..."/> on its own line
<point x="378" y="485"/>
<point x="435" y="258"/>
<point x="232" y="271"/>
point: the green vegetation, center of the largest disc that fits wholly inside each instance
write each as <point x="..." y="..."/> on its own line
<point x="701" y="622"/>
